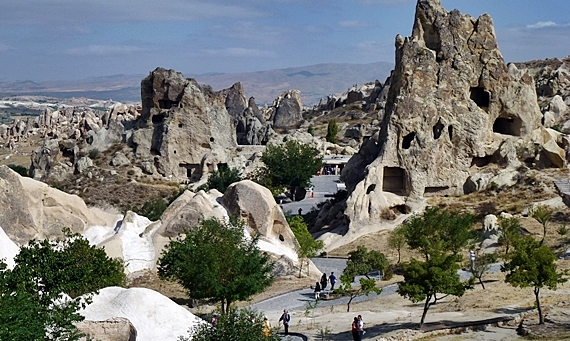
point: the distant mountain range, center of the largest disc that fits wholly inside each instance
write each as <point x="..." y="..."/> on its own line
<point x="314" y="82"/>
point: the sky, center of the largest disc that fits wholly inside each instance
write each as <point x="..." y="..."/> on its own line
<point x="76" y="39"/>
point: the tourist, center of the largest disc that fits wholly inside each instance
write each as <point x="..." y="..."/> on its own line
<point x="317" y="290"/>
<point x="266" y="327"/>
<point x="360" y="327"/>
<point x="332" y="280"/>
<point x="324" y="281"/>
<point x="285" y="318"/>
<point x="354" y="329"/>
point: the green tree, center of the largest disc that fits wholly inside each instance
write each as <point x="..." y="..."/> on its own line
<point x="482" y="265"/>
<point x="397" y="240"/>
<point x="70" y="265"/>
<point x="235" y="325"/>
<point x="308" y="247"/>
<point x="32" y="301"/>
<point x="289" y="166"/>
<point x="509" y="231"/>
<point x="215" y="261"/>
<point x="332" y="130"/>
<point x="543" y="214"/>
<point x="222" y="178"/>
<point x="360" y="263"/>
<point x="532" y="264"/>
<point x="439" y="236"/>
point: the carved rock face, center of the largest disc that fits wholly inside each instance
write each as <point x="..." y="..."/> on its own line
<point x="184" y="122"/>
<point x="451" y="103"/>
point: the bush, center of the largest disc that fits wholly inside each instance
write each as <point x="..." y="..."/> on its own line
<point x="23" y="171"/>
<point x="94" y="154"/>
<point x="153" y="208"/>
<point x="222" y="178"/>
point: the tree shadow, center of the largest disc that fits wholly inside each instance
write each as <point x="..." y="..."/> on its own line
<point x="374" y="331"/>
<point x="511" y="311"/>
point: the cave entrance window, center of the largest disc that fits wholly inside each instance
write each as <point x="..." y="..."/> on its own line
<point x="482" y="161"/>
<point x="480" y="96"/>
<point x="508" y="126"/>
<point x="193" y="171"/>
<point x="393" y="180"/>
<point x="157" y="119"/>
<point x="370" y="188"/>
<point x="407" y="142"/>
<point x="432" y="191"/>
<point x="450" y="131"/>
<point x="437" y="129"/>
<point x="167" y="104"/>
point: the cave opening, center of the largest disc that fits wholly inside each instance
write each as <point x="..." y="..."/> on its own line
<point x="393" y="180"/>
<point x="508" y="126"/>
<point x="407" y="141"/>
<point x="437" y="129"/>
<point x="480" y="96"/>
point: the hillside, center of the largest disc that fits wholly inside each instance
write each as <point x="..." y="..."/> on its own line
<point x="314" y="81"/>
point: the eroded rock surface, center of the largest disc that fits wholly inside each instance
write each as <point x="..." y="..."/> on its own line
<point x="452" y="103"/>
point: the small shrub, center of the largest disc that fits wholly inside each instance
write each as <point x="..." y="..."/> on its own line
<point x="153" y="208"/>
<point x="311" y="131"/>
<point x="562" y="230"/>
<point x="387" y="214"/>
<point x="94" y="154"/>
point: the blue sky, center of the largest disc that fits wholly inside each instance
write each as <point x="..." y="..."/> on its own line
<point x="75" y="39"/>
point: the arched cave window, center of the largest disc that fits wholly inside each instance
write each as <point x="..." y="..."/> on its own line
<point x="508" y="126"/>
<point x="407" y="142"/>
<point x="480" y="96"/>
<point x="370" y="188"/>
<point x="437" y="129"/>
<point x="156" y="119"/>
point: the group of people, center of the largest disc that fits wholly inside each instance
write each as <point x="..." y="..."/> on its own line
<point x="357" y="328"/>
<point x="285" y="319"/>
<point x="322" y="285"/>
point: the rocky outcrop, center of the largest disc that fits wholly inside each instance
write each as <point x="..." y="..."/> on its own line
<point x="32" y="209"/>
<point x="287" y="109"/>
<point x="552" y="79"/>
<point x="257" y="207"/>
<point x="250" y="125"/>
<point x="114" y="329"/>
<point x="189" y="209"/>
<point x="147" y="310"/>
<point x="452" y="103"/>
<point x="182" y="126"/>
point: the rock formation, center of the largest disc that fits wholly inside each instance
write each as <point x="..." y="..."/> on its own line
<point x="180" y="125"/>
<point x="32" y="209"/>
<point x="113" y="329"/>
<point x="287" y="109"/>
<point x="452" y="104"/>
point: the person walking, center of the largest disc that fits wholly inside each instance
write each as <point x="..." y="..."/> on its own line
<point x="354" y="329"/>
<point x="317" y="290"/>
<point x="324" y="281"/>
<point x="285" y="318"/>
<point x="360" y="328"/>
<point x="332" y="280"/>
<point x="266" y="327"/>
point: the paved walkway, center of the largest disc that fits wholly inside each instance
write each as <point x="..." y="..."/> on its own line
<point x="298" y="300"/>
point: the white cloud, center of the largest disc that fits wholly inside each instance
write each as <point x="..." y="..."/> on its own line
<point x="353" y="23"/>
<point x="239" y="52"/>
<point x="546" y="24"/>
<point x="4" y="47"/>
<point x="103" y="50"/>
